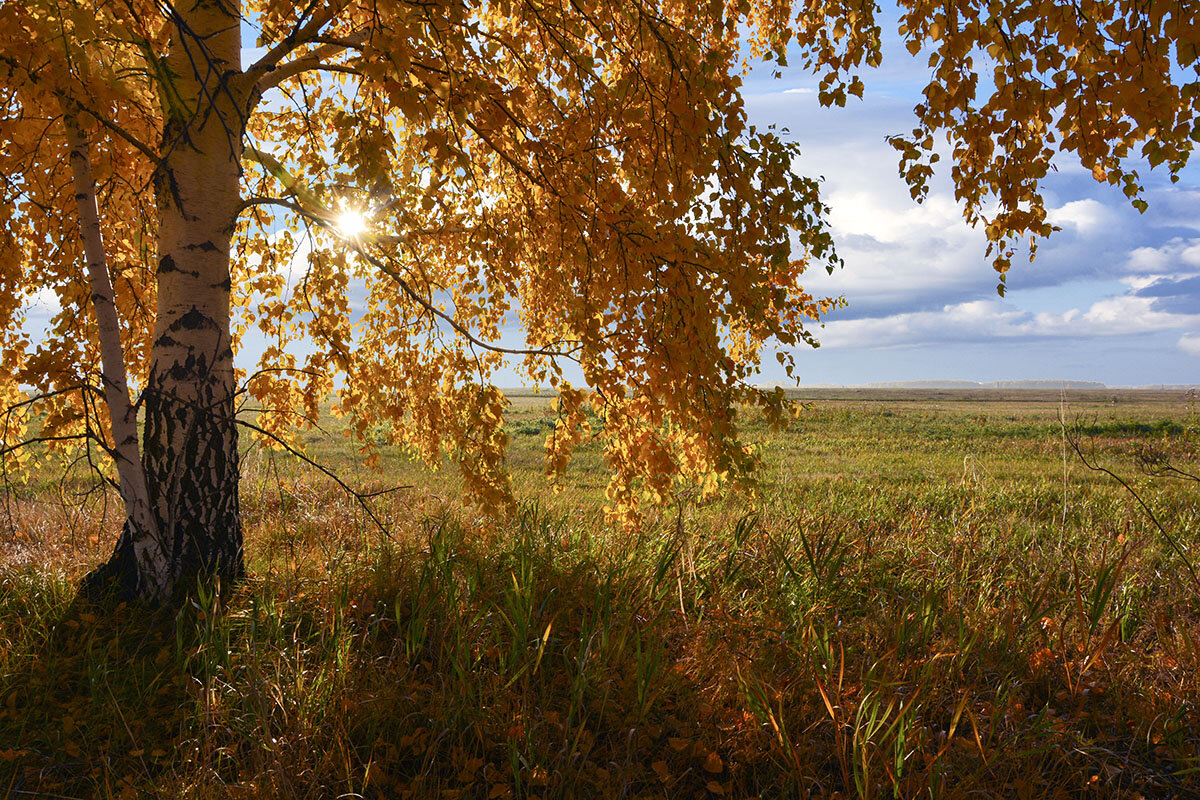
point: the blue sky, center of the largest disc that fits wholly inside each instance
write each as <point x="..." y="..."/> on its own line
<point x="1113" y="297"/>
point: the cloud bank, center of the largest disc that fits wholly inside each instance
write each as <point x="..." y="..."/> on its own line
<point x="1120" y="286"/>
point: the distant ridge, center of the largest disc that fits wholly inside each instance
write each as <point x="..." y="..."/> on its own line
<point x="989" y="385"/>
<point x="1026" y="384"/>
<point x="1094" y="386"/>
<point x="1164" y="387"/>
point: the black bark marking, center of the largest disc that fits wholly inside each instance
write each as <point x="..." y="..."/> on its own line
<point x="224" y="285"/>
<point x="167" y="264"/>
<point x="205" y="246"/>
<point x="193" y="367"/>
<point x="191" y="462"/>
<point x="193" y="320"/>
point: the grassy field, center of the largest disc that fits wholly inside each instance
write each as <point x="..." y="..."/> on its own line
<point x="934" y="597"/>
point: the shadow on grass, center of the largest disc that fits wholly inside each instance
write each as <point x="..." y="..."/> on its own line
<point x="94" y="706"/>
<point x="522" y="667"/>
<point x="540" y="660"/>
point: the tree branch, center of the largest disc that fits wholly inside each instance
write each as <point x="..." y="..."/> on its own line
<point x="361" y="497"/>
<point x="324" y="219"/>
<point x="312" y="60"/>
<point x="1096" y="467"/>
<point x="300" y="35"/>
<point x="269" y="72"/>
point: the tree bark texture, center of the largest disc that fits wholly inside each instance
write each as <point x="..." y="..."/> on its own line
<point x="140" y="526"/>
<point x="190" y="448"/>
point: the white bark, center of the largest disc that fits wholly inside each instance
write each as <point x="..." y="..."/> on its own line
<point x="189" y="448"/>
<point x="131" y="476"/>
<point x="190" y="445"/>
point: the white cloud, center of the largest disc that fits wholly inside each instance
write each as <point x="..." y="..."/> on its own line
<point x="1083" y="215"/>
<point x="44" y="303"/>
<point x="983" y="320"/>
<point x="897" y="254"/>
<point x="900" y="330"/>
<point x="1137" y="282"/>
<point x="1116" y="316"/>
<point x="877" y="214"/>
<point x="1166" y="258"/>
<point x="1190" y="344"/>
<point x="1108" y="295"/>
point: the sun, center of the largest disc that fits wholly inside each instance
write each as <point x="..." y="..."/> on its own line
<point x="351" y="223"/>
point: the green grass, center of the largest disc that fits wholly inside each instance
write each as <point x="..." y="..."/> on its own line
<point x="933" y="598"/>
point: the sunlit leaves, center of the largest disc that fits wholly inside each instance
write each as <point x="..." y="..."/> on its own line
<point x="547" y="184"/>
<point x="56" y="56"/>
<point x="588" y="175"/>
<point x="1016" y="83"/>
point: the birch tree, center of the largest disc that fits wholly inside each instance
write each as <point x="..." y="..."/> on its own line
<point x="582" y="169"/>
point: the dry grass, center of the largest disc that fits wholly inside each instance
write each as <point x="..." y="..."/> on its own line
<point x="925" y="604"/>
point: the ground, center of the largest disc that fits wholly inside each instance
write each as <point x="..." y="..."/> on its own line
<point x="934" y="596"/>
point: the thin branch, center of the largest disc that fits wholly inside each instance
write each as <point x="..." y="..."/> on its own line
<point x="312" y="60"/>
<point x="301" y="34"/>
<point x="138" y="144"/>
<point x="458" y="327"/>
<point x="1095" y="467"/>
<point x="40" y="396"/>
<point x="43" y="439"/>
<point x="312" y="373"/>
<point x="361" y="497"/>
<point x="414" y="295"/>
<point x="1159" y="465"/>
<point x="261" y="74"/>
<point x="262" y="200"/>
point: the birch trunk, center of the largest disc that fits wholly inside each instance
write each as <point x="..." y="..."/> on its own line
<point x="141" y="530"/>
<point x="190" y="452"/>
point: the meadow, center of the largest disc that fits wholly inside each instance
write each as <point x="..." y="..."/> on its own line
<point x="934" y="596"/>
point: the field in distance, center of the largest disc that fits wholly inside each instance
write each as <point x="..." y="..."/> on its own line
<point x="933" y="596"/>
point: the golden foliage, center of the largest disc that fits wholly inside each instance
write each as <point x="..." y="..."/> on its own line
<point x="582" y="171"/>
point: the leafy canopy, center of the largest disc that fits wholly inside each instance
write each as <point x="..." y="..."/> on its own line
<point x="584" y="168"/>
